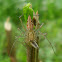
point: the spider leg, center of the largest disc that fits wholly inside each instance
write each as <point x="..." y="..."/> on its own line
<point x="22" y="25"/>
<point x="16" y="41"/>
<point x="43" y="34"/>
<point x="21" y="31"/>
<point x="39" y="27"/>
<point x="49" y="42"/>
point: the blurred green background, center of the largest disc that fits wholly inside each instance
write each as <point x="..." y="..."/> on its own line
<point x="50" y="13"/>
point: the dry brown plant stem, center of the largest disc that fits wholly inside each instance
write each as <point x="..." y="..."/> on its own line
<point x="32" y="53"/>
<point x="8" y="29"/>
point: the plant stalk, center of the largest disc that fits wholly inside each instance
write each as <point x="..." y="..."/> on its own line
<point x="8" y="29"/>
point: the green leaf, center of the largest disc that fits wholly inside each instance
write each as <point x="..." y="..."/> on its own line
<point x="27" y="10"/>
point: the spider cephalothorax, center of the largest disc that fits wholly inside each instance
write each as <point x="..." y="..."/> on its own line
<point x="31" y="36"/>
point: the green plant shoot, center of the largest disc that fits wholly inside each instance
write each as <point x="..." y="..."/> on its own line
<point x="27" y="10"/>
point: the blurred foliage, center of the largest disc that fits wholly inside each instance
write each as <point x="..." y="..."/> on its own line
<point x="50" y="13"/>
